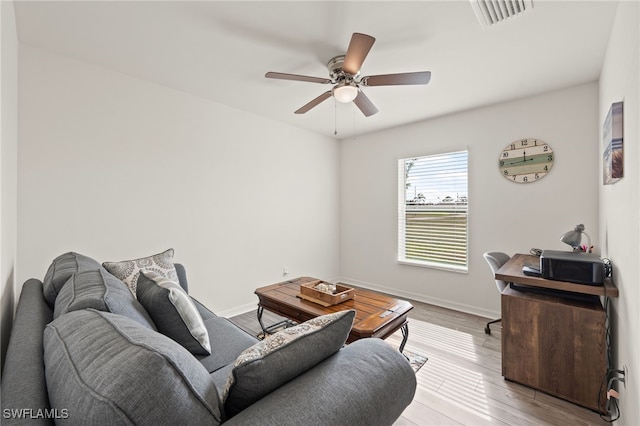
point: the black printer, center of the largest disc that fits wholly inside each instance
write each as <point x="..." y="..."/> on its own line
<point x="574" y="267"/>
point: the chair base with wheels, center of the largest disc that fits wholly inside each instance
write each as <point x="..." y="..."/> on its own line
<point x="487" y="330"/>
<point x="496" y="259"/>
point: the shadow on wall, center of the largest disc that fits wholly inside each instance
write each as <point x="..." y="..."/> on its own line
<point x="6" y="322"/>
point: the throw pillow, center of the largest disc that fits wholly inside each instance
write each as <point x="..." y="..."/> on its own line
<point x="128" y="270"/>
<point x="173" y="311"/>
<point x="103" y="368"/>
<point x="61" y="269"/>
<point x="102" y="291"/>
<point x="279" y="358"/>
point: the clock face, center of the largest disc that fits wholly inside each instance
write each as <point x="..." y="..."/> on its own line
<point x="526" y="160"/>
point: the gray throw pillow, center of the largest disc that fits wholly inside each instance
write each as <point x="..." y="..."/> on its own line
<point x="103" y="368"/>
<point x="61" y="269"/>
<point x="102" y="291"/>
<point x="281" y="357"/>
<point x="173" y="311"/>
<point x="128" y="270"/>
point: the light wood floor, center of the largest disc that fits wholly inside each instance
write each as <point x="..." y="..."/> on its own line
<point x="461" y="384"/>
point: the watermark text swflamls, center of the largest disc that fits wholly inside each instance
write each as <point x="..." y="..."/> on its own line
<point x="30" y="413"/>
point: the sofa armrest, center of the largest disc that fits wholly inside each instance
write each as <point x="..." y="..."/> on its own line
<point x="367" y="382"/>
<point x="205" y="312"/>
<point x="182" y="276"/>
<point x="23" y="381"/>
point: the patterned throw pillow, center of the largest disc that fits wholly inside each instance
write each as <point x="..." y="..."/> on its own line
<point x="128" y="270"/>
<point x="279" y="358"/>
<point x="173" y="312"/>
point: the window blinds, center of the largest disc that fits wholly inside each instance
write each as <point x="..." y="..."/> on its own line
<point x="432" y="210"/>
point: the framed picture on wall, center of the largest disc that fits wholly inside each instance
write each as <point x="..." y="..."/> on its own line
<point x="612" y="141"/>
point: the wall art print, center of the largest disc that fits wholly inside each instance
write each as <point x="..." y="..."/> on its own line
<point x="612" y="141"/>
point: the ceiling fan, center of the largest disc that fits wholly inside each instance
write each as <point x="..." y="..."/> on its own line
<point x="344" y="72"/>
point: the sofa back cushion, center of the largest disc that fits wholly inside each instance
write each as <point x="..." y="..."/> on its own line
<point x="107" y="369"/>
<point x="173" y="312"/>
<point x="61" y="269"/>
<point x="279" y="358"/>
<point x="102" y="291"/>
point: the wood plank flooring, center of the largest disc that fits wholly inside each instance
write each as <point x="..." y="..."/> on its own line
<point x="461" y="384"/>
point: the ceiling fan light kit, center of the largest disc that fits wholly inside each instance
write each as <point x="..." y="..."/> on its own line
<point x="344" y="71"/>
<point x="345" y="92"/>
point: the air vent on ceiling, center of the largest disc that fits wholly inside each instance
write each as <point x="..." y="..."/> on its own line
<point x="491" y="12"/>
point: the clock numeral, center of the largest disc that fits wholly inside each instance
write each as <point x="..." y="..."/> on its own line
<point x="513" y="146"/>
<point x="525" y="179"/>
<point x="524" y="142"/>
<point x="538" y="176"/>
<point x="506" y="172"/>
<point x="546" y="168"/>
<point x="501" y="163"/>
<point x="514" y="178"/>
<point x="550" y="157"/>
<point x="505" y="155"/>
<point x="545" y="148"/>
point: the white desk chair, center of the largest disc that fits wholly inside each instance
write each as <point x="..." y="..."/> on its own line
<point x="496" y="259"/>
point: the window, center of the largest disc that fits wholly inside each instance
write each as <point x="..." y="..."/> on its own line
<point x="432" y="211"/>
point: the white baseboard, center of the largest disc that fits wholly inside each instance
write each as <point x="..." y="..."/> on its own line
<point x="474" y="310"/>
<point x="238" y="310"/>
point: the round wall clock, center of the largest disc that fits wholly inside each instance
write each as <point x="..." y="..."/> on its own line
<point x="526" y="160"/>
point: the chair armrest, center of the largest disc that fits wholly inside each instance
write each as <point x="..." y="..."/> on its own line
<point x="367" y="382"/>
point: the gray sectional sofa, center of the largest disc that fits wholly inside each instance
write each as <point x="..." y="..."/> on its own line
<point x="85" y="350"/>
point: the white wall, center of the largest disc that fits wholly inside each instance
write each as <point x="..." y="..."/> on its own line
<point x="8" y="169"/>
<point x="620" y="202"/>
<point x="503" y="216"/>
<point x="115" y="168"/>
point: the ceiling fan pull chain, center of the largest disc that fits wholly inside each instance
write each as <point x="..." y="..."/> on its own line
<point x="335" y="117"/>
<point x="354" y="124"/>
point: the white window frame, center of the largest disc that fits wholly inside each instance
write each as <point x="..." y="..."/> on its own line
<point x="452" y="263"/>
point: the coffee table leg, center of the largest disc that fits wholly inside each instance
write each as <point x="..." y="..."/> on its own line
<point x="260" y="310"/>
<point x="269" y="329"/>
<point x="405" y="335"/>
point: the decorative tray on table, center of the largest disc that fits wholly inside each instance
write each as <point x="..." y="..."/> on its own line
<point x="324" y="293"/>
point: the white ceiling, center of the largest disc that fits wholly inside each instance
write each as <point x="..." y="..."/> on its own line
<point x="221" y="51"/>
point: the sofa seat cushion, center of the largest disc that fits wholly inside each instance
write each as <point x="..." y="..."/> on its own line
<point x="172" y="310"/>
<point x="107" y="369"/>
<point x="227" y="342"/>
<point x="61" y="270"/>
<point x="283" y="356"/>
<point x="129" y="270"/>
<point x="100" y="290"/>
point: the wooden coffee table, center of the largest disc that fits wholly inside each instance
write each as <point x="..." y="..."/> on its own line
<point x="377" y="315"/>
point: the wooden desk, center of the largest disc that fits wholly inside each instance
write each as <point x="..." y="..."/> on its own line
<point x="512" y="272"/>
<point x="553" y="343"/>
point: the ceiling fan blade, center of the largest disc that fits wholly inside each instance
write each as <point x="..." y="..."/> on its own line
<point x="359" y="48"/>
<point x="364" y="104"/>
<point x="422" y="77"/>
<point x="296" y="77"/>
<point x="326" y="95"/>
